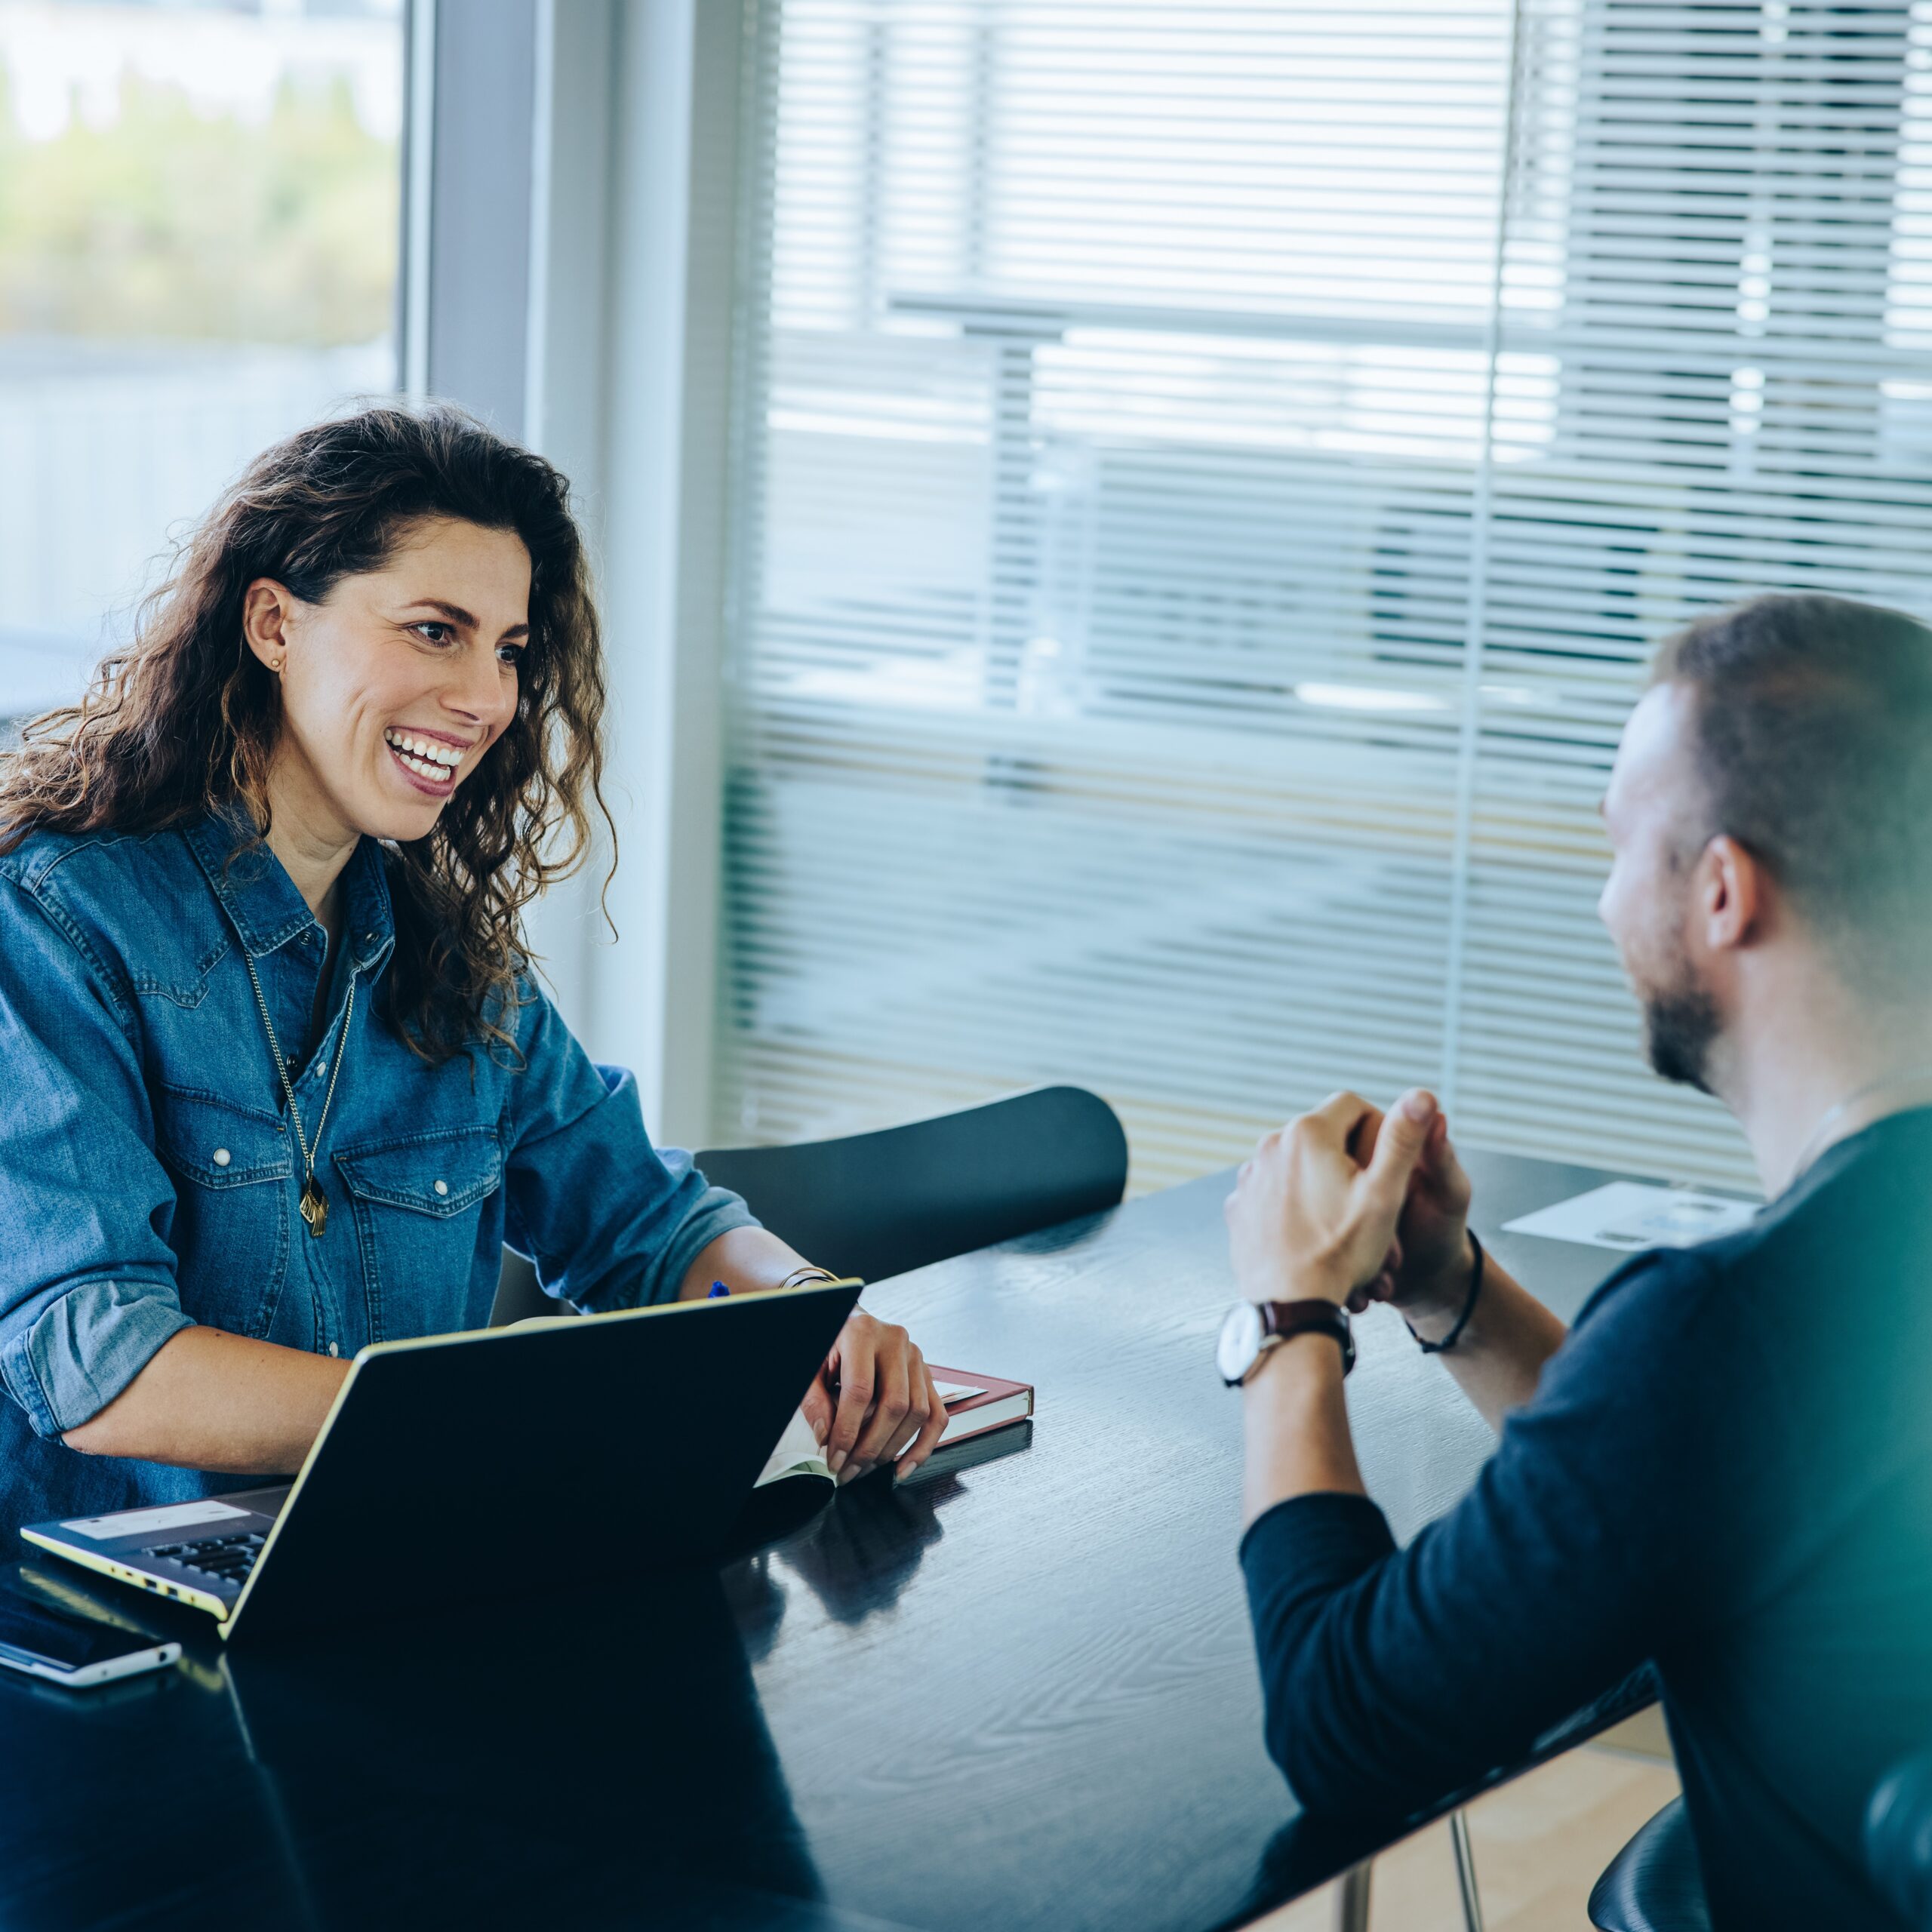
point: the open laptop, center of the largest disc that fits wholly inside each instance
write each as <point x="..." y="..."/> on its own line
<point x="491" y="1463"/>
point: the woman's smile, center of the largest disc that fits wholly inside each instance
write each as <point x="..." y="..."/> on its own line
<point x="428" y="760"/>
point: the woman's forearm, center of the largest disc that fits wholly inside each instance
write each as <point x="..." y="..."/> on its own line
<point x="747" y="1260"/>
<point x="207" y="1400"/>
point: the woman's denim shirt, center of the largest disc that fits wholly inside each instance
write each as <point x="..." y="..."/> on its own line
<point x="148" y="1176"/>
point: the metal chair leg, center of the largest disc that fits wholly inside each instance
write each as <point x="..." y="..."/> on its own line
<point x="1466" y="1871"/>
<point x="1351" y="1898"/>
<point x="1351" y="1911"/>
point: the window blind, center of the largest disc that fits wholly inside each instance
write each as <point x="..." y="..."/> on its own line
<point x="1206" y="482"/>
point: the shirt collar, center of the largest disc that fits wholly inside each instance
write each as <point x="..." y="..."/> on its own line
<point x="261" y="903"/>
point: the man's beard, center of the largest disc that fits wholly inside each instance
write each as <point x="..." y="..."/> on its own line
<point x="1681" y="1022"/>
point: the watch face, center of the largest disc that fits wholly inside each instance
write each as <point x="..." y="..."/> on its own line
<point x="1240" y="1342"/>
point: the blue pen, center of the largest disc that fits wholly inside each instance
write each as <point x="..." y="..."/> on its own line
<point x="717" y="1288"/>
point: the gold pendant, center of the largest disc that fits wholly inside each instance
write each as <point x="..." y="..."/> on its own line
<point x="315" y="1206"/>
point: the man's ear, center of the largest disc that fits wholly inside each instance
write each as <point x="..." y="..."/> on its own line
<point x="1731" y="896"/>
<point x="266" y="608"/>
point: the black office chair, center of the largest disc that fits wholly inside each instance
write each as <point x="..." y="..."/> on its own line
<point x="881" y="1203"/>
<point x="1653" y="1884"/>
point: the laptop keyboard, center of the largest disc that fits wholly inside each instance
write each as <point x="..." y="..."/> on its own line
<point x="228" y="1558"/>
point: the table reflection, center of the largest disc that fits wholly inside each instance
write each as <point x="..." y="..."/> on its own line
<point x="608" y="1751"/>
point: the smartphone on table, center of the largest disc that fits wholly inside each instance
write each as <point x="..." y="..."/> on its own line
<point x="63" y="1649"/>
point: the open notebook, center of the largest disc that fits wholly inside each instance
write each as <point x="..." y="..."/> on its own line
<point x="974" y="1404"/>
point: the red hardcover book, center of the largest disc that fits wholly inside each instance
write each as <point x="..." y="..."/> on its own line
<point x="990" y="1403"/>
<point x="976" y="1405"/>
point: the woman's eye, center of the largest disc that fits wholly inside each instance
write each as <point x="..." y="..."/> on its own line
<point x="432" y="633"/>
<point x="511" y="654"/>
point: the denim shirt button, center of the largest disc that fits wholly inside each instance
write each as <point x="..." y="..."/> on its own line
<point x="222" y="1157"/>
<point x="442" y="1187"/>
<point x="332" y="1348"/>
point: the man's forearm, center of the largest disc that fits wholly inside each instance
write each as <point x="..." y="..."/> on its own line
<point x="1296" y="1426"/>
<point x="1498" y="1358"/>
<point x="207" y="1400"/>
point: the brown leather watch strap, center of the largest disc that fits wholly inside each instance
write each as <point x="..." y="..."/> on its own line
<point x="1284" y="1318"/>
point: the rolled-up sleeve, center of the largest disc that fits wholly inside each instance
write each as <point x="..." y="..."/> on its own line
<point x="610" y="1221"/>
<point x="88" y="1288"/>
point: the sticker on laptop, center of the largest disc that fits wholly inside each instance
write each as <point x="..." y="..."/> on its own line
<point x="1627" y="1215"/>
<point x="151" y="1522"/>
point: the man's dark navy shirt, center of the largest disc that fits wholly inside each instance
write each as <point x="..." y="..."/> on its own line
<point x="1727" y="1468"/>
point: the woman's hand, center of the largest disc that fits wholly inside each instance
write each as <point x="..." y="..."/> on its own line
<point x="876" y="1401"/>
<point x="1427" y="1268"/>
<point x="1307" y="1218"/>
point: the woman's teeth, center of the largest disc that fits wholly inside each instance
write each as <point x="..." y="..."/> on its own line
<point x="424" y="756"/>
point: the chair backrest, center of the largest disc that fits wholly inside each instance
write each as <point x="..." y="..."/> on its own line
<point x="520" y="1296"/>
<point x="875" y="1204"/>
<point x="1898" y="1839"/>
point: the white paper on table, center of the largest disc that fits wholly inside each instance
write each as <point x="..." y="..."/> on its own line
<point x="950" y="1392"/>
<point x="1628" y="1215"/>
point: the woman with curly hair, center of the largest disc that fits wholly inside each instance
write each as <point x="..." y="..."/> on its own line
<point x="279" y="1081"/>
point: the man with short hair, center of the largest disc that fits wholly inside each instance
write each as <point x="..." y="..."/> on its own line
<point x="1726" y="1466"/>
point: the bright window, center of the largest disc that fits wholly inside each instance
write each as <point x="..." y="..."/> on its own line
<point x="199" y="244"/>
<point x="1210" y="477"/>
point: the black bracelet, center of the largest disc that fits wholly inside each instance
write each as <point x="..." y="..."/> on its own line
<point x="1455" y="1334"/>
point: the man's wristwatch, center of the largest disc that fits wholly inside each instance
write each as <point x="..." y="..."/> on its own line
<point x="1253" y="1327"/>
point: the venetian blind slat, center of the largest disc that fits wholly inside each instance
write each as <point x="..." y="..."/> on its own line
<point x="1207" y="482"/>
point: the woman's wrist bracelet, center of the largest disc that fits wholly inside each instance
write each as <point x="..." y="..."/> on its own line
<point x="798" y="1276"/>
<point x="1455" y="1334"/>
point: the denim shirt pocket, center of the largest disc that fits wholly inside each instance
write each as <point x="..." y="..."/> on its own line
<point x="231" y="1166"/>
<point x="419" y="1200"/>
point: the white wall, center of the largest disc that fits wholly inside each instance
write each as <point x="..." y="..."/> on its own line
<point x="624" y="338"/>
<point x="650" y="995"/>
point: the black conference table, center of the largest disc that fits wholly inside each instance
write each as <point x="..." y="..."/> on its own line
<point x="1017" y="1691"/>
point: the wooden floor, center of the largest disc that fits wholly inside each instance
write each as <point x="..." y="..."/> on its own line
<point x="1539" y="1843"/>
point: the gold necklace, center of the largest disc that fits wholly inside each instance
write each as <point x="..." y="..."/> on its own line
<point x="314" y="1203"/>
